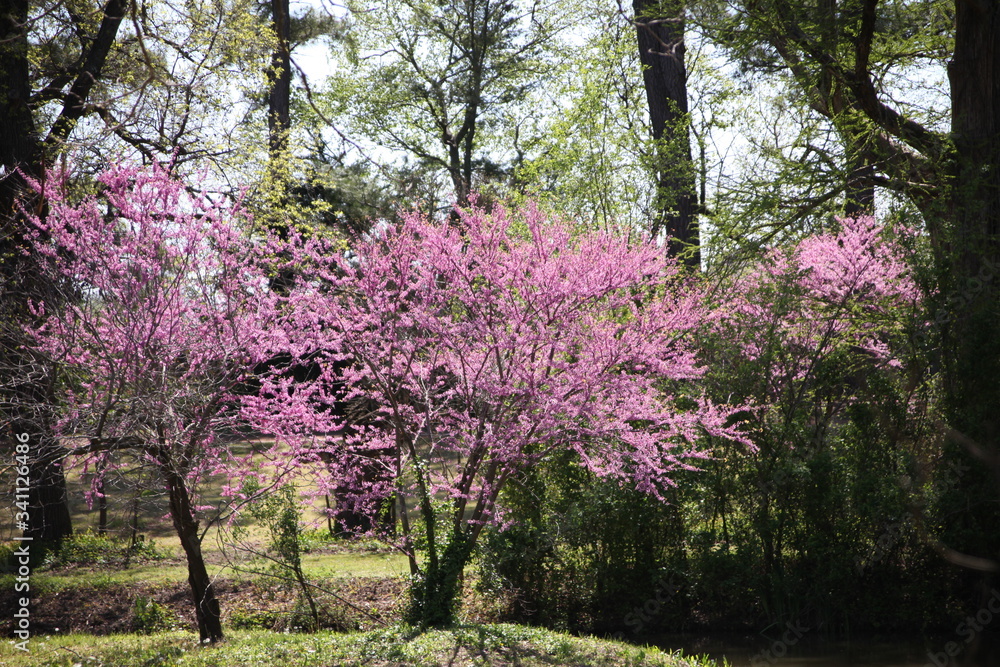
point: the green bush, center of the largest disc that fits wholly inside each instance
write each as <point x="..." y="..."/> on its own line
<point x="585" y="554"/>
<point x="106" y="550"/>
<point x="150" y="617"/>
<point x="7" y="564"/>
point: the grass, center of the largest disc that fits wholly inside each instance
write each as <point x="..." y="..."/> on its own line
<point x="398" y="645"/>
<point x="325" y="560"/>
<point x="138" y="490"/>
<point x="317" y="566"/>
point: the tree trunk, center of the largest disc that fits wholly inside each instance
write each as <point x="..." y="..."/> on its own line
<point x="22" y="153"/>
<point x="48" y="513"/>
<point x="206" y="604"/>
<point x="279" y="97"/>
<point x="660" y="33"/>
<point x="18" y="141"/>
<point x="436" y="597"/>
<point x="860" y="195"/>
<point x="969" y="258"/>
<point x="969" y="253"/>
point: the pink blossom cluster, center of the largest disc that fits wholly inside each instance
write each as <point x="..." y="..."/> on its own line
<point x="163" y="312"/>
<point x="493" y="341"/>
<point x="847" y="289"/>
<point x="483" y="345"/>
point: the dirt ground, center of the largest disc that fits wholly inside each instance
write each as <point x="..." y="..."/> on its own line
<point x="350" y="604"/>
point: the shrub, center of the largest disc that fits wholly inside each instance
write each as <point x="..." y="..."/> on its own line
<point x="150" y="617"/>
<point x="104" y="550"/>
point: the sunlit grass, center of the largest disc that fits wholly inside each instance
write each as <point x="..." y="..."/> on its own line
<point x="397" y="645"/>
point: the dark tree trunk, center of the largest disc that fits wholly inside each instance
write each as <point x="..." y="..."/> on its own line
<point x="48" y="512"/>
<point x="20" y="151"/>
<point x="279" y="98"/>
<point x="969" y="262"/>
<point x="206" y="604"/>
<point x="969" y="257"/>
<point x="660" y="32"/>
<point x="24" y="153"/>
<point x="18" y="141"/>
<point x="860" y="196"/>
<point x="75" y="100"/>
<point x="102" y="509"/>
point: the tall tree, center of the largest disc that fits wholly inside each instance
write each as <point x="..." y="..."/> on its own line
<point x="659" y="26"/>
<point x="439" y="82"/>
<point x="79" y="79"/>
<point x="26" y="148"/>
<point x="279" y="121"/>
<point x="168" y="322"/>
<point x="855" y="77"/>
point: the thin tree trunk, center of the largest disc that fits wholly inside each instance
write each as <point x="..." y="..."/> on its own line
<point x="207" y="609"/>
<point x="102" y="510"/>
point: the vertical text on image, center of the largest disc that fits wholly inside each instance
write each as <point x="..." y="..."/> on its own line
<point x="22" y="555"/>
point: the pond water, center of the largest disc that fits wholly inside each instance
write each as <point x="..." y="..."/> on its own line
<point x="759" y="652"/>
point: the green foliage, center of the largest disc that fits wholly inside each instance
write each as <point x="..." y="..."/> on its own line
<point x="90" y="548"/>
<point x="589" y="157"/>
<point x="804" y="149"/>
<point x="277" y="510"/>
<point x="583" y="554"/>
<point x="150" y="617"/>
<point x="434" y="594"/>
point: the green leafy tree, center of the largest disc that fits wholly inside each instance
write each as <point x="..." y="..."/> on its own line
<point x="862" y="67"/>
<point x="585" y="153"/>
<point x="440" y="83"/>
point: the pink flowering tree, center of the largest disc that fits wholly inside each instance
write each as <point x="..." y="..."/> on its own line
<point x="167" y="310"/>
<point x="488" y="345"/>
<point x="815" y="335"/>
<point x="847" y="292"/>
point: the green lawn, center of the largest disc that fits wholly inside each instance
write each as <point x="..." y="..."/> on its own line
<point x="397" y="645"/>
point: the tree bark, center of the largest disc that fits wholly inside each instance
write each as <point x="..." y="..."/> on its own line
<point x="75" y="100"/>
<point x="207" y="609"/>
<point x="24" y="153"/>
<point x="279" y="97"/>
<point x="48" y="512"/>
<point x="660" y="34"/>
<point x="20" y="282"/>
<point x="969" y="253"/>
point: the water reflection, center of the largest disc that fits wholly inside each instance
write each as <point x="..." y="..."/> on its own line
<point x="753" y="652"/>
